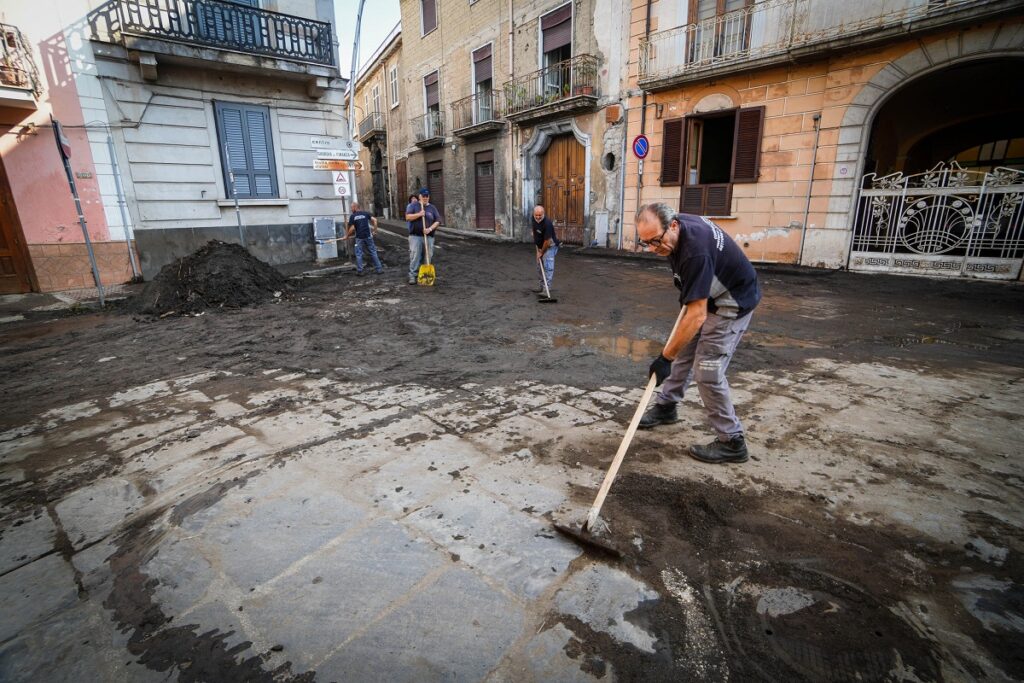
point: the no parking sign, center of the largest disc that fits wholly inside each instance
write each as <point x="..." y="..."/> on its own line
<point x="641" y="146"/>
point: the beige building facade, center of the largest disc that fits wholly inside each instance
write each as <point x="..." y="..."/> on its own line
<point x="380" y="127"/>
<point x="875" y="136"/>
<point x="514" y="104"/>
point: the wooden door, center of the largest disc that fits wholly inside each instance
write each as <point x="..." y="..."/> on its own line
<point x="14" y="267"/>
<point x="402" y="196"/>
<point x="485" y="190"/>
<point x="562" y="177"/>
<point x="435" y="183"/>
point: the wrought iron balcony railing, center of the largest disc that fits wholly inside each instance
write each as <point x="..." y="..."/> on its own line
<point x="428" y="128"/>
<point x="228" y="25"/>
<point x="576" y="77"/>
<point x="374" y="123"/>
<point x="483" y="107"/>
<point x="17" y="68"/>
<point x="773" y="27"/>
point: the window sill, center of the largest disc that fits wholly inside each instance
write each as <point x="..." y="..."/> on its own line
<point x="253" y="202"/>
<point x="722" y="218"/>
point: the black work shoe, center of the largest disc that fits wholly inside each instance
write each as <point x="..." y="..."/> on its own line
<point x="538" y="290"/>
<point x="659" y="414"/>
<point x="720" y="452"/>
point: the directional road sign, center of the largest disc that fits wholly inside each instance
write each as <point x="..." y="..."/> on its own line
<point x="348" y="154"/>
<point x="336" y="165"/>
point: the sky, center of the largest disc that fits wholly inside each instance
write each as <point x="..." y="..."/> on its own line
<point x="379" y="17"/>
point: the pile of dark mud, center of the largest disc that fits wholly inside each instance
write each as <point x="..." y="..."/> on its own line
<point x="219" y="275"/>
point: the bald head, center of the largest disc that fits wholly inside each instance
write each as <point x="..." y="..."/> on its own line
<point x="538" y="213"/>
<point x="355" y="206"/>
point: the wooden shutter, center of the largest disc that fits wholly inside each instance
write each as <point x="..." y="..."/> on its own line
<point x="430" y="85"/>
<point x="692" y="200"/>
<point x="717" y="200"/>
<point x="246" y="149"/>
<point x="482" y="64"/>
<point x="435" y="183"/>
<point x="556" y="28"/>
<point x="429" y="8"/>
<point x="485" y="190"/>
<point x="672" y="152"/>
<point x="746" y="154"/>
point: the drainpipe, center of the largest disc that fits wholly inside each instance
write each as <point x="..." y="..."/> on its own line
<point x="643" y="129"/>
<point x="121" y="201"/>
<point x="511" y="132"/>
<point x="622" y="172"/>
<point x="810" y="184"/>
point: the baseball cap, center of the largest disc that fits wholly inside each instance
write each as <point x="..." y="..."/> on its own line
<point x="424" y="191"/>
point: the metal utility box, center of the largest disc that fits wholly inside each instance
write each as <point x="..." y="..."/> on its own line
<point x="323" y="230"/>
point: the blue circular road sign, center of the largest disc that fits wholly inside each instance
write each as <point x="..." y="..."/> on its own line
<point x="641" y="146"/>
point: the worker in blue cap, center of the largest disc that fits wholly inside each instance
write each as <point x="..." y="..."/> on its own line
<point x="424" y="218"/>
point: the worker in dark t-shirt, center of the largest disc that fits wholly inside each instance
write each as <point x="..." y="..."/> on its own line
<point x="359" y="224"/>
<point x="719" y="289"/>
<point x="547" y="246"/>
<point x="424" y="219"/>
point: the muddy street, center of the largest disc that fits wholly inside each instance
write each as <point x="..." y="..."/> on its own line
<point x="356" y="480"/>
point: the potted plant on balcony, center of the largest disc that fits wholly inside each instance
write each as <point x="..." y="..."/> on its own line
<point x="586" y="77"/>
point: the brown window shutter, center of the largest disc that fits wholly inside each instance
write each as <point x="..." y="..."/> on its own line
<point x="430" y="85"/>
<point x="429" y="16"/>
<point x="672" y="152"/>
<point x="482" y="64"/>
<point x="692" y="200"/>
<point x="556" y="28"/>
<point x="718" y="200"/>
<point x="746" y="155"/>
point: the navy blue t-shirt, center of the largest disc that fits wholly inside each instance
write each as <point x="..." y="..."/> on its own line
<point x="361" y="219"/>
<point x="416" y="226"/>
<point x="543" y="231"/>
<point x="708" y="264"/>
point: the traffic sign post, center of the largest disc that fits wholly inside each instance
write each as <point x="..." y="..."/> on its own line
<point x="641" y="146"/>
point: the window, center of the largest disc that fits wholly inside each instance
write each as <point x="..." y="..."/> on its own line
<point x="247" y="150"/>
<point x="483" y="84"/>
<point x="556" y="47"/>
<point x="433" y="103"/>
<point x="393" y="76"/>
<point x="376" y="99"/>
<point x="428" y="15"/>
<point x="729" y="35"/>
<point x="708" y="154"/>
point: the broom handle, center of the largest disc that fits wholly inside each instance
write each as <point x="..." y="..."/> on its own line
<point x="426" y="245"/>
<point x="606" y="485"/>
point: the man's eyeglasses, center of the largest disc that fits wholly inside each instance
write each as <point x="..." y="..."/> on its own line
<point x="655" y="242"/>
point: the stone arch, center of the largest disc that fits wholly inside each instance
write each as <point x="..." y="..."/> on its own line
<point x="532" y="151"/>
<point x="985" y="42"/>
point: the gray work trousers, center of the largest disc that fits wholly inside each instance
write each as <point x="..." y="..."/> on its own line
<point x="704" y="360"/>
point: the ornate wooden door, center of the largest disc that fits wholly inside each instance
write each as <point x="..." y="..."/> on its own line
<point x="562" y="176"/>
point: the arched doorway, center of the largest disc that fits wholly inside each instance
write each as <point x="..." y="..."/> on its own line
<point x="562" y="180"/>
<point x="535" y="159"/>
<point x="943" y="185"/>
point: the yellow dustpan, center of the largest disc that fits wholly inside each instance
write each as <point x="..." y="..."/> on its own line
<point x="425" y="276"/>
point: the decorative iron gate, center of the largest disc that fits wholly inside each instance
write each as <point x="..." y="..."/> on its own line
<point x="948" y="221"/>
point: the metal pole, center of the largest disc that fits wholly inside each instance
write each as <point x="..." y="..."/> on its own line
<point x="352" y="92"/>
<point x="85" y="232"/>
<point x="121" y="204"/>
<point x="234" y="195"/>
<point x="810" y="184"/>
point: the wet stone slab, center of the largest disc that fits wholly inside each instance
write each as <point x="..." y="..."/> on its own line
<point x="470" y="626"/>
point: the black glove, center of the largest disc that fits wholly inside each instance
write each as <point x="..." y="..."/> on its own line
<point x="660" y="368"/>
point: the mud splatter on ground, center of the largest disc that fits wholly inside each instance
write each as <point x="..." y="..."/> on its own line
<point x="756" y="572"/>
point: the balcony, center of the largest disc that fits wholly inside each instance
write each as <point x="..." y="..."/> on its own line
<point x="202" y="33"/>
<point x="478" y="115"/>
<point x="372" y="125"/>
<point x="428" y="130"/>
<point x="19" y="80"/>
<point x="781" y="31"/>
<point x="563" y="88"/>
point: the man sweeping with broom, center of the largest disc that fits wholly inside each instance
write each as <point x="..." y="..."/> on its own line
<point x="547" y="246"/>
